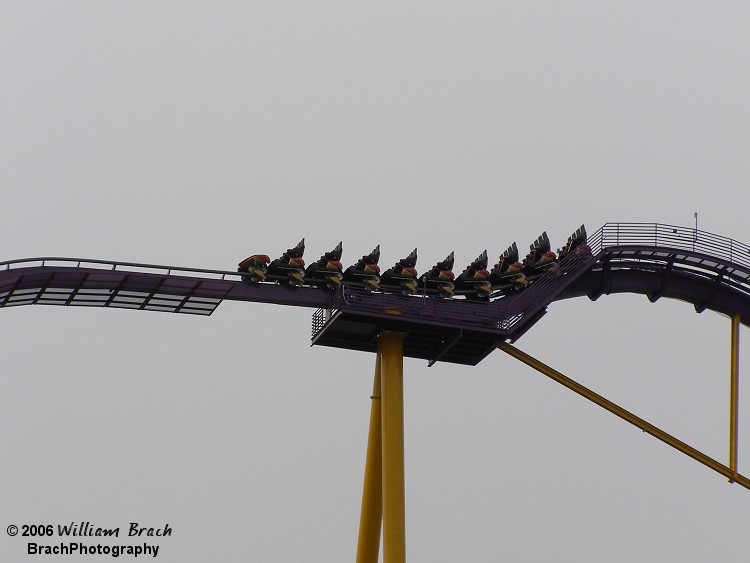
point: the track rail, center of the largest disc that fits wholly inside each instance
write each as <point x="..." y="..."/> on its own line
<point x="130" y="285"/>
<point x="680" y="238"/>
<point x="708" y="270"/>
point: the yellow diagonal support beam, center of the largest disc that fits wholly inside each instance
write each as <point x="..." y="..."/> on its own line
<point x="624" y="414"/>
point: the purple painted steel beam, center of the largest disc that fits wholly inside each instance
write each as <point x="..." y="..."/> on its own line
<point x="684" y="287"/>
<point x="280" y="295"/>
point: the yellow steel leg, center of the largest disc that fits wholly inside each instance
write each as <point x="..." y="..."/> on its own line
<point x="371" y="515"/>
<point x="391" y="350"/>
<point x="625" y="415"/>
<point x="734" y="370"/>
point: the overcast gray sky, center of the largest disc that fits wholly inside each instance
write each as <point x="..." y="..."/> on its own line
<point x="197" y="133"/>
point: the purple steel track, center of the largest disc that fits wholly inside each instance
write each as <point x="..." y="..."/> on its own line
<point x="98" y="283"/>
<point x="707" y="270"/>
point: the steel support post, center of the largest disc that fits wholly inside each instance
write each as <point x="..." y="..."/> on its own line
<point x="391" y="350"/>
<point x="730" y="474"/>
<point x="371" y="515"/>
<point x="734" y="370"/>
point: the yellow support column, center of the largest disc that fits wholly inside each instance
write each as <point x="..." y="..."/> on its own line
<point x="647" y="427"/>
<point x="734" y="370"/>
<point x="391" y="350"/>
<point x="371" y="515"/>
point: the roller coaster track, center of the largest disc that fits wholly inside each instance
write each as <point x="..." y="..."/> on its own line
<point x="707" y="270"/>
<point x="128" y="285"/>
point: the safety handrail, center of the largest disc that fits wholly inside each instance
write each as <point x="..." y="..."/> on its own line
<point x="116" y="266"/>
<point x="610" y="235"/>
<point x="671" y="236"/>
<point x="654" y="235"/>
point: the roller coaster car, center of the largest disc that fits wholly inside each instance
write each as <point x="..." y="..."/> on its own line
<point x="402" y="275"/>
<point x="366" y="270"/>
<point x="440" y="278"/>
<point x="474" y="281"/>
<point x="577" y="244"/>
<point x="507" y="275"/>
<point x="289" y="269"/>
<point x="326" y="272"/>
<point x="257" y="266"/>
<point x="540" y="259"/>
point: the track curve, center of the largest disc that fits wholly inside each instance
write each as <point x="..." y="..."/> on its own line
<point x="706" y="270"/>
